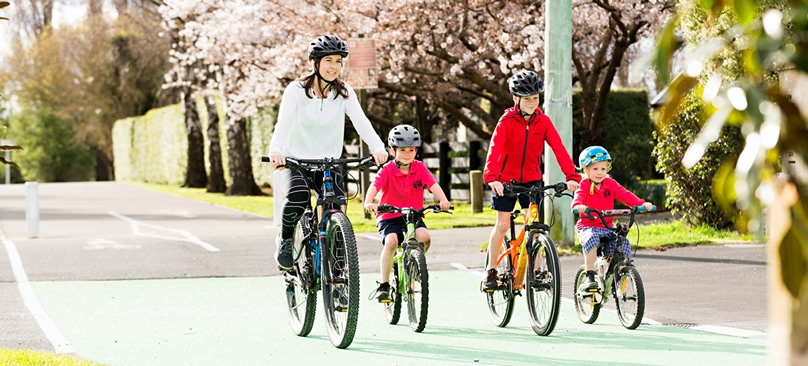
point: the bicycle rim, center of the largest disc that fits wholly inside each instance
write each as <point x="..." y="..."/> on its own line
<point x="417" y="290"/>
<point x="301" y="298"/>
<point x="543" y="284"/>
<point x="392" y="309"/>
<point x="629" y="296"/>
<point x="500" y="302"/>
<point x="343" y="289"/>
<point x="587" y="307"/>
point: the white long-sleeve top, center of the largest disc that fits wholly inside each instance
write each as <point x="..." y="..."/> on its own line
<point x="313" y="128"/>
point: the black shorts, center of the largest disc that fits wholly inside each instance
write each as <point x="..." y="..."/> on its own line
<point x="396" y="225"/>
<point x="506" y="203"/>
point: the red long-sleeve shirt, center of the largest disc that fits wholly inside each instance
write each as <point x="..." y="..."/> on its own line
<point x="516" y="148"/>
<point x="602" y="199"/>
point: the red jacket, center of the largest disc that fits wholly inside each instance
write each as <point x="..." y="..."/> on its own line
<point x="602" y="199"/>
<point x="516" y="148"/>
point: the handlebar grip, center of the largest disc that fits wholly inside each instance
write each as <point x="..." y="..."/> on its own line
<point x="642" y="208"/>
<point x="265" y="159"/>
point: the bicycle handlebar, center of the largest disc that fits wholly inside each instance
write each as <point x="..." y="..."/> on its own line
<point x="619" y="212"/>
<point x="385" y="208"/>
<point x="512" y="188"/>
<point x="293" y="163"/>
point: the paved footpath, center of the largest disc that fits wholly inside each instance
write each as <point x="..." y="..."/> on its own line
<point x="125" y="276"/>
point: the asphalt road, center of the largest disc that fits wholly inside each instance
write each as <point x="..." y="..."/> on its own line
<point x="122" y="275"/>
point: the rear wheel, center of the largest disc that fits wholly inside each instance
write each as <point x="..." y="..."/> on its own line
<point x="629" y="296"/>
<point x="417" y="288"/>
<point x="301" y="297"/>
<point x="500" y="301"/>
<point x="341" y="294"/>
<point x="392" y="309"/>
<point x="587" y="307"/>
<point x="543" y="284"/>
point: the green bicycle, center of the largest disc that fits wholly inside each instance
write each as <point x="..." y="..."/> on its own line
<point x="409" y="278"/>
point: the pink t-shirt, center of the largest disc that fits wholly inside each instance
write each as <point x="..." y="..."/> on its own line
<point x="602" y="199"/>
<point x="402" y="190"/>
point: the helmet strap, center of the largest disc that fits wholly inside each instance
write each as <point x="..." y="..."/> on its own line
<point x="400" y="164"/>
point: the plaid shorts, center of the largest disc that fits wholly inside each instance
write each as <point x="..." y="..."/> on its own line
<point x="590" y="239"/>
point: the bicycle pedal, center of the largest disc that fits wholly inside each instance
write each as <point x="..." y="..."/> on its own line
<point x="385" y="301"/>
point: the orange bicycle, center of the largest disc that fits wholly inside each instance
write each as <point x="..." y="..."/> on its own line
<point x="533" y="249"/>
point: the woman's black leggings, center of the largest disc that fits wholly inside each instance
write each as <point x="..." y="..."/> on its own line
<point x="300" y="184"/>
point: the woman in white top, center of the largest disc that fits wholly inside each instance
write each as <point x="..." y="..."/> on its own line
<point x="311" y="125"/>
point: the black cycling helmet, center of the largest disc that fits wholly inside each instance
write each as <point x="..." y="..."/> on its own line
<point x="404" y="136"/>
<point x="327" y="45"/>
<point x="525" y="83"/>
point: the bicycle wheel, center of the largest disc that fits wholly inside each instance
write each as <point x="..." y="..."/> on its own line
<point x="341" y="294"/>
<point x="543" y="284"/>
<point x="587" y="307"/>
<point x="392" y="309"/>
<point x="417" y="290"/>
<point x="500" y="301"/>
<point x="629" y="296"/>
<point x="301" y="297"/>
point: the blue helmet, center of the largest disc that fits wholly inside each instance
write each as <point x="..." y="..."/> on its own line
<point x="593" y="154"/>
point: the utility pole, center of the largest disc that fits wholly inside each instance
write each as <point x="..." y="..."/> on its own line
<point x="558" y="106"/>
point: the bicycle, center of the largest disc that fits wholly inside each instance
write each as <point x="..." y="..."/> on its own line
<point x="533" y="249"/>
<point x="616" y="276"/>
<point x="325" y="257"/>
<point x="409" y="278"/>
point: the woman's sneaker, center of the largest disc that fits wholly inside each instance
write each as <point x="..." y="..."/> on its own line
<point x="283" y="253"/>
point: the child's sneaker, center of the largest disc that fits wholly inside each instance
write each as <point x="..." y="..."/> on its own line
<point x="490" y="282"/>
<point x="589" y="284"/>
<point x="383" y="292"/>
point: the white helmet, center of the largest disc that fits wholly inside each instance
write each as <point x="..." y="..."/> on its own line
<point x="404" y="136"/>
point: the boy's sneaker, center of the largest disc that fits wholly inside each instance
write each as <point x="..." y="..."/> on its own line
<point x="589" y="284"/>
<point x="490" y="282"/>
<point x="383" y="292"/>
<point x="283" y="253"/>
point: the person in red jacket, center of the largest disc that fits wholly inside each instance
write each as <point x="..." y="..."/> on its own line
<point x="599" y="191"/>
<point x="514" y="156"/>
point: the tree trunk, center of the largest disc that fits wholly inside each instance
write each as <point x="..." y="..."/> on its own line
<point x="216" y="183"/>
<point x="195" y="176"/>
<point x="104" y="168"/>
<point x="242" y="182"/>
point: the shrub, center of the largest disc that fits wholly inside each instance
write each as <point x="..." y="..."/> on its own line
<point x="690" y="190"/>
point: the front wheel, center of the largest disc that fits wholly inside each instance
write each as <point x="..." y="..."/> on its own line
<point x="587" y="307"/>
<point x="543" y="284"/>
<point x="629" y="296"/>
<point x="341" y="293"/>
<point x="417" y="287"/>
<point x="500" y="301"/>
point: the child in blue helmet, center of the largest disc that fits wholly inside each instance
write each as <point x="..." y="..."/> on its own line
<point x="598" y="191"/>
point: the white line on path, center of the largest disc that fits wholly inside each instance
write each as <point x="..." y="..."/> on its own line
<point x="182" y="235"/>
<point x="367" y="236"/>
<point x="735" y="332"/>
<point x="60" y="344"/>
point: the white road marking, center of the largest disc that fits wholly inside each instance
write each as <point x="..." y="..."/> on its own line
<point x="139" y="228"/>
<point x="181" y="212"/>
<point x="60" y="344"/>
<point x="367" y="236"/>
<point x="735" y="332"/>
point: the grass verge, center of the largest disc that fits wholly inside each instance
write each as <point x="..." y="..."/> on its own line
<point x="39" y="358"/>
<point x="263" y="205"/>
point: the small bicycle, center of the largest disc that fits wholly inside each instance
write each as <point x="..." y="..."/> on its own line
<point x="615" y="276"/>
<point x="409" y="278"/>
<point x="533" y="249"/>
<point x="325" y="257"/>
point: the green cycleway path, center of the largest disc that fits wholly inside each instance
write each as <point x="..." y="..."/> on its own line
<point x="243" y="321"/>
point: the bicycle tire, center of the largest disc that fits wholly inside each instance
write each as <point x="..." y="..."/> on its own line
<point x="343" y="263"/>
<point x="417" y="290"/>
<point x="392" y="309"/>
<point x="500" y="302"/>
<point x="544" y="290"/>
<point x="629" y="290"/>
<point x="587" y="307"/>
<point x="301" y="297"/>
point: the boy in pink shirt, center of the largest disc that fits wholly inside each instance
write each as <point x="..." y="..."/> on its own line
<point x="599" y="191"/>
<point x="402" y="184"/>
